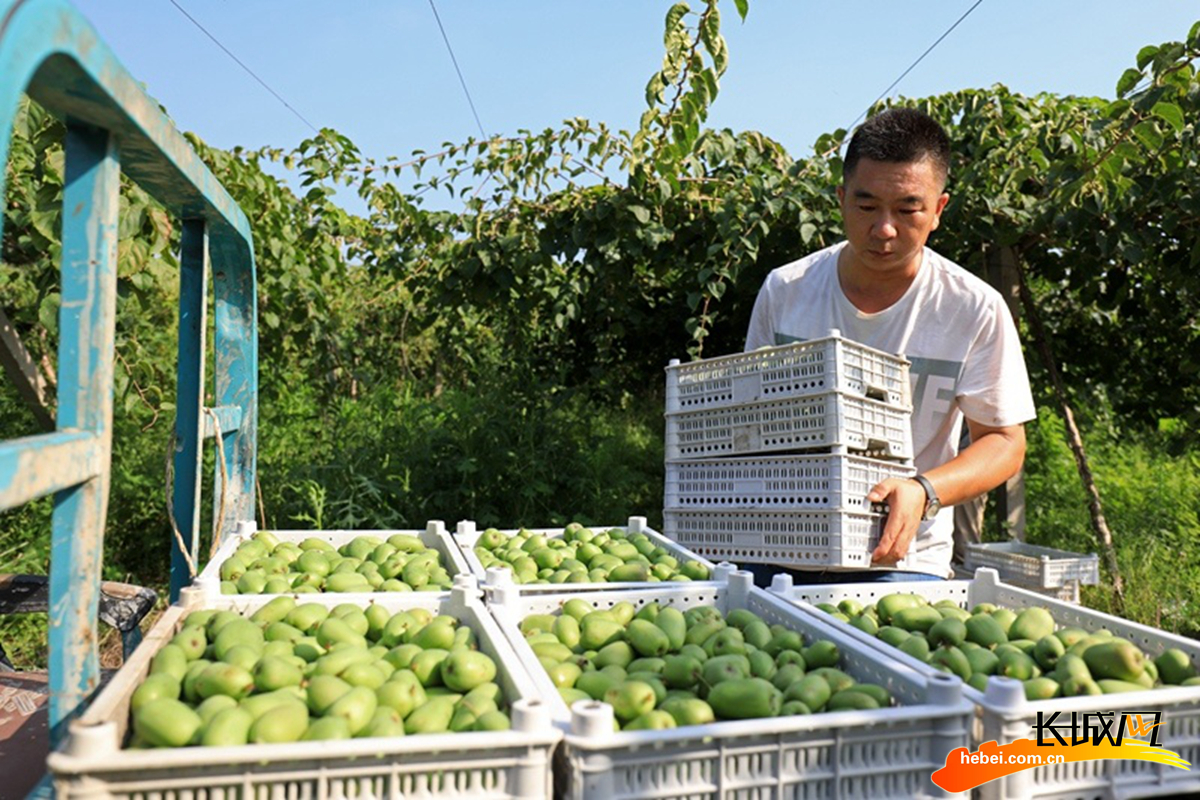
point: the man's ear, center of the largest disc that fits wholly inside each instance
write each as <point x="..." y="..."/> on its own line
<point x="941" y="206"/>
<point x="841" y="193"/>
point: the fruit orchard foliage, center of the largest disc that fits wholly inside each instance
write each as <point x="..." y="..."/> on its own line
<point x="583" y="258"/>
<point x="594" y="255"/>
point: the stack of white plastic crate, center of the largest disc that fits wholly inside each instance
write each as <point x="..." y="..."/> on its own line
<point x="770" y="454"/>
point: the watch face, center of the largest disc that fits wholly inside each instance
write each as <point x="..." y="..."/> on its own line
<point x="932" y="509"/>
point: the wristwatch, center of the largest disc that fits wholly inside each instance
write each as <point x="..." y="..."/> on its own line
<point x="932" y="504"/>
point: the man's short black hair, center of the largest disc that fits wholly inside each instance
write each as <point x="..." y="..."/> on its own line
<point x="899" y="136"/>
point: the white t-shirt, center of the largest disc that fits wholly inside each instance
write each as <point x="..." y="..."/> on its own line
<point x="953" y="327"/>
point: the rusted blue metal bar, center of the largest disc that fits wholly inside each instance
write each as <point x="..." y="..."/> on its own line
<point x="50" y="52"/>
<point x="77" y="455"/>
<point x="85" y="386"/>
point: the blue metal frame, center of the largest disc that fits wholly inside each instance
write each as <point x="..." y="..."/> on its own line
<point x="50" y="52"/>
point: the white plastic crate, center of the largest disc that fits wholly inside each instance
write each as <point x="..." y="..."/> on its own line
<point x="832" y="422"/>
<point x="838" y="482"/>
<point x="1034" y="567"/>
<point x="792" y="370"/>
<point x="807" y="539"/>
<point x="434" y="536"/>
<point x="882" y="753"/>
<point x="1068" y="592"/>
<point x="1004" y="715"/>
<point x="466" y="535"/>
<point x="509" y="764"/>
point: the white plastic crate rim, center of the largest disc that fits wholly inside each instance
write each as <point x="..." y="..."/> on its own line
<point x="466" y="535"/>
<point x="800" y="538"/>
<point x="1003" y="713"/>
<point x="792" y="370"/>
<point x="879" y="753"/>
<point x="777" y="482"/>
<point x="831" y="422"/>
<point x="509" y="764"/>
<point x="1033" y="566"/>
<point x="434" y="536"/>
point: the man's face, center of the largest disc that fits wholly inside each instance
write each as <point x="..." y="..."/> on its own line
<point x="889" y="211"/>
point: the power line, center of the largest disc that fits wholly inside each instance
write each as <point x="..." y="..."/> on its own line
<point x="243" y="66"/>
<point x="914" y="64"/>
<point x="461" y="79"/>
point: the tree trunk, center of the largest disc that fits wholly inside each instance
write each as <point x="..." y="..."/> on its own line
<point x="1099" y="524"/>
<point x="31" y="383"/>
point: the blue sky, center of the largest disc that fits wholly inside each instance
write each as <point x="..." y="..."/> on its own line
<point x="380" y="73"/>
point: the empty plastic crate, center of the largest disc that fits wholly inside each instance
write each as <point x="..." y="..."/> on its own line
<point x="834" y="422"/>
<point x="1034" y="567"/>
<point x="806" y="539"/>
<point x="793" y="370"/>
<point x="777" y="482"/>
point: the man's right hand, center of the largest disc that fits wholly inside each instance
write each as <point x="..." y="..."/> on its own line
<point x="906" y="509"/>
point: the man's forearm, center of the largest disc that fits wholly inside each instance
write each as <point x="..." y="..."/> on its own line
<point x="994" y="456"/>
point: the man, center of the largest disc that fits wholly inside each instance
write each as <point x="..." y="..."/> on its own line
<point x="884" y="288"/>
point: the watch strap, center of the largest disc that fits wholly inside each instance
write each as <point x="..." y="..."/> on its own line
<point x="931" y="498"/>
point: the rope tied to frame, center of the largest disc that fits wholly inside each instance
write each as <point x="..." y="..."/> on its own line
<point x="220" y="518"/>
<point x="170" y="494"/>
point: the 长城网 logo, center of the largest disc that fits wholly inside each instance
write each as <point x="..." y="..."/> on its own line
<point x="1097" y="727"/>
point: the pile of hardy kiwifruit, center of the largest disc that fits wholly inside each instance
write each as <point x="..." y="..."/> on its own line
<point x="582" y="555"/>
<point x="660" y="667"/>
<point x="1027" y="645"/>
<point x="301" y="672"/>
<point x="402" y="563"/>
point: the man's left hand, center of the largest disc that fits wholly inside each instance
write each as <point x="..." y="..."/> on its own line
<point x="906" y="508"/>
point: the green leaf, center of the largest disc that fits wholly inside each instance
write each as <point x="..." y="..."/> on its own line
<point x="1148" y="134"/>
<point x="654" y="90"/>
<point x="45" y="222"/>
<point x="641" y="213"/>
<point x="1111" y="166"/>
<point x="1129" y="79"/>
<point x="711" y="84"/>
<point x="807" y="232"/>
<point x="721" y="58"/>
<point x="1194" y="37"/>
<point x="1146" y="55"/>
<point x="1169" y="112"/>
<point x="48" y="312"/>
<point x="1117" y="108"/>
<point x="710" y="31"/>
<point x="674" y="19"/>
<point x="743" y="7"/>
